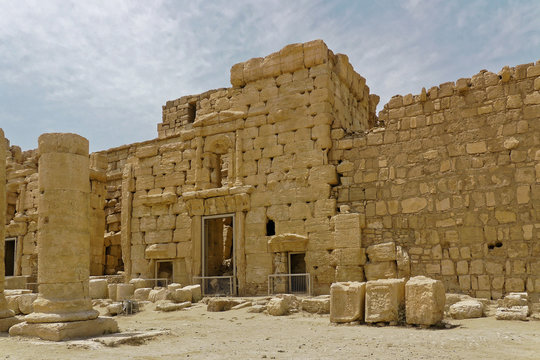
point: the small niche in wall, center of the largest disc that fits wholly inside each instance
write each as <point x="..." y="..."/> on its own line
<point x="270" y="228"/>
<point x="192" y="112"/>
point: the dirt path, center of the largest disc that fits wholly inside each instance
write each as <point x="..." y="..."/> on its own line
<point x="198" y="334"/>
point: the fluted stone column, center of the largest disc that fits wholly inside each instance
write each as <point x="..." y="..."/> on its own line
<point x="7" y="318"/>
<point x="63" y="243"/>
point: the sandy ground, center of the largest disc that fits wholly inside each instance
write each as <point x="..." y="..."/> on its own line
<point x="237" y="334"/>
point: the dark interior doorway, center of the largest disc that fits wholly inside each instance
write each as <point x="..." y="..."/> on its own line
<point x="297" y="265"/>
<point x="9" y="256"/>
<point x="218" y="255"/>
<point x="164" y="273"/>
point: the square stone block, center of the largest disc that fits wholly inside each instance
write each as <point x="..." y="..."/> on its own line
<point x="347" y="301"/>
<point x="66" y="330"/>
<point x="380" y="270"/>
<point x="424" y="301"/>
<point x="385" y="300"/>
<point x="381" y="252"/>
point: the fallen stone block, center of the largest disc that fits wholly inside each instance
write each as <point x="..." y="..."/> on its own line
<point x="25" y="303"/>
<point x="159" y="294"/>
<point x="257" y="309"/>
<point x="111" y="289"/>
<point x="182" y="295"/>
<point x="222" y="304"/>
<point x="385" y="301"/>
<point x="512" y="313"/>
<point x="124" y="292"/>
<point x="174" y="286"/>
<point x="167" y="306"/>
<point x="114" y="309"/>
<point x="466" y="309"/>
<point x="13" y="303"/>
<point x="141" y="283"/>
<point x="277" y="307"/>
<point x="242" y="305"/>
<point x="424" y="301"/>
<point x="514" y="299"/>
<point x="141" y="294"/>
<point x="316" y="305"/>
<point x="196" y="292"/>
<point x="347" y="300"/>
<point x="98" y="289"/>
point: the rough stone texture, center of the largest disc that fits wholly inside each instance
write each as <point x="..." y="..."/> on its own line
<point x="347" y="302"/>
<point x="6" y="315"/>
<point x="159" y="294"/>
<point x="142" y="294"/>
<point x="25" y="302"/>
<point x="98" y="289"/>
<point x="63" y="246"/>
<point x="450" y="175"/>
<point x="512" y="313"/>
<point x="382" y="252"/>
<point x="222" y="304"/>
<point x="385" y="300"/>
<point x="167" y="306"/>
<point x="196" y="293"/>
<point x="66" y="330"/>
<point x="424" y="301"/>
<point x="466" y="309"/>
<point x="277" y="307"/>
<point x="182" y="295"/>
<point x="124" y="292"/>
<point x="316" y="305"/>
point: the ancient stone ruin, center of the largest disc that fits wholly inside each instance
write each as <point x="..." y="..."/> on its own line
<point x="288" y="182"/>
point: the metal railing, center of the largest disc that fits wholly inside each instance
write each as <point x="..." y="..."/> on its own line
<point x="216" y="285"/>
<point x="289" y="284"/>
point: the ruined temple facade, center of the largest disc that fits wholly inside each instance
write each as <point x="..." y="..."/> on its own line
<point x="290" y="171"/>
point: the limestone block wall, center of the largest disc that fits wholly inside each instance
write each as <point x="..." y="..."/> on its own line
<point x="454" y="178"/>
<point x="22" y="195"/>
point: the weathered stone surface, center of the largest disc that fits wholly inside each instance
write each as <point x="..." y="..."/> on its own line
<point x="98" y="289"/>
<point x="141" y="294"/>
<point x="512" y="313"/>
<point x="182" y="295"/>
<point x="124" y="292"/>
<point x="424" y="301"/>
<point x="160" y="294"/>
<point x="114" y="308"/>
<point x="196" y="292"/>
<point x="25" y="302"/>
<point x="66" y="330"/>
<point x="385" y="300"/>
<point x="222" y="304"/>
<point x="282" y="305"/>
<point x="167" y="306"/>
<point x="347" y="301"/>
<point x="466" y="309"/>
<point x="316" y="305"/>
<point x="381" y="252"/>
<point x="380" y="270"/>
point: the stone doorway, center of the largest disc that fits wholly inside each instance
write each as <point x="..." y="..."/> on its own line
<point x="164" y="272"/>
<point x="10" y="254"/>
<point x="218" y="255"/>
<point x="297" y="266"/>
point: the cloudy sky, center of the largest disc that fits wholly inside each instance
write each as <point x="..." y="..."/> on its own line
<point x="103" y="69"/>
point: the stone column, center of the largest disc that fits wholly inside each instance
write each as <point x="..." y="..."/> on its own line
<point x="63" y="243"/>
<point x="7" y="318"/>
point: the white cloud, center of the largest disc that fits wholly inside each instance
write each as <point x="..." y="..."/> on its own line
<point x="104" y="68"/>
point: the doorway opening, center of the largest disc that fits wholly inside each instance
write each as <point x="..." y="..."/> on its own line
<point x="164" y="273"/>
<point x="10" y="253"/>
<point x="297" y="269"/>
<point x="218" y="260"/>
